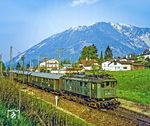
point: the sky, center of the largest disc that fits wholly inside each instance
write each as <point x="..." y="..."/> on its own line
<point x="24" y="23"/>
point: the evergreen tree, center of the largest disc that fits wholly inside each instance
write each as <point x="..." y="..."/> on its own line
<point x="147" y="62"/>
<point x="28" y="66"/>
<point x="108" y="54"/>
<point x="67" y="61"/>
<point x="89" y="52"/>
<point x="18" y="66"/>
<point x="101" y="58"/>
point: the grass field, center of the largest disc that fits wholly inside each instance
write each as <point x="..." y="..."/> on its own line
<point x="5" y="121"/>
<point x="133" y="85"/>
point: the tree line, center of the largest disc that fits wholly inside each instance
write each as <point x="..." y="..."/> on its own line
<point x="91" y="52"/>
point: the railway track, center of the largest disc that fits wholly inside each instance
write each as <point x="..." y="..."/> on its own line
<point x="136" y="118"/>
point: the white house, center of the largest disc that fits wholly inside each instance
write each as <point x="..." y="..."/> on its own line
<point x="116" y="66"/>
<point x="147" y="55"/>
<point x="105" y="65"/>
<point x="50" y="64"/>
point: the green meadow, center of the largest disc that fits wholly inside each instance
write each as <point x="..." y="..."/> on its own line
<point x="134" y="85"/>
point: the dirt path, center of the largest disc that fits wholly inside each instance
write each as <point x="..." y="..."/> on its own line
<point x="135" y="107"/>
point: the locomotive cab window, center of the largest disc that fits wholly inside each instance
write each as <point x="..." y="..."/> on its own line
<point x="106" y="84"/>
<point x="112" y="84"/>
<point x="102" y="85"/>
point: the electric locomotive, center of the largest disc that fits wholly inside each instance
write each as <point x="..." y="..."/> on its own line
<point x="94" y="91"/>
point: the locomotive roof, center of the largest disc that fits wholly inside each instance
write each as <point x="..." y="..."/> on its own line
<point x="87" y="78"/>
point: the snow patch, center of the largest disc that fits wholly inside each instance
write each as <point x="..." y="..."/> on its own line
<point x="20" y="56"/>
<point x="146" y="38"/>
<point x="116" y="26"/>
<point x="41" y="45"/>
<point x="79" y="28"/>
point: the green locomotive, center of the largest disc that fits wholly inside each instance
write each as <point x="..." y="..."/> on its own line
<point x="95" y="91"/>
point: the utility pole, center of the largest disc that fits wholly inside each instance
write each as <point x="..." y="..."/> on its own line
<point x="1" y="68"/>
<point x="38" y="62"/>
<point x="11" y="65"/>
<point x="23" y="68"/>
<point x="46" y="60"/>
<point x="30" y="63"/>
<point x="59" y="52"/>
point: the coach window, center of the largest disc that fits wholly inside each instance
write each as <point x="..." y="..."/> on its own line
<point x="39" y="79"/>
<point x="67" y="81"/>
<point x="46" y="80"/>
<point x="85" y="84"/>
<point x="42" y="80"/>
<point x="81" y="84"/>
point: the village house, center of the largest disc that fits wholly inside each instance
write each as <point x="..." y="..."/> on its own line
<point x="67" y="71"/>
<point x="121" y="66"/>
<point x="105" y="65"/>
<point x="136" y="66"/>
<point x="88" y="64"/>
<point x="116" y="66"/>
<point x="50" y="64"/>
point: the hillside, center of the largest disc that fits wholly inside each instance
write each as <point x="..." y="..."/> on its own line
<point x="123" y="39"/>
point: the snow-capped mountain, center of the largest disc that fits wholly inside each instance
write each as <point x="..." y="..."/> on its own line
<point x="122" y="39"/>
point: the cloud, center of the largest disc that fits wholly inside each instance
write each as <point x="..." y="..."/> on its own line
<point x="82" y="2"/>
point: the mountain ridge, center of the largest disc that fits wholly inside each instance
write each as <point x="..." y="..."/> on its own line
<point x="122" y="39"/>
